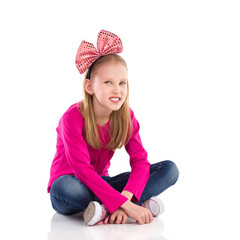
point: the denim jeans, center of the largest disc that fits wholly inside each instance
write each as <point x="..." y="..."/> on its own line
<point x="70" y="196"/>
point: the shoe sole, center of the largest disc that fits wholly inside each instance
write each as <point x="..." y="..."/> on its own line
<point x="91" y="215"/>
<point x="156" y="201"/>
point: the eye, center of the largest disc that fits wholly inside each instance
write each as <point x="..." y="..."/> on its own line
<point x="107" y="82"/>
<point x="122" y="83"/>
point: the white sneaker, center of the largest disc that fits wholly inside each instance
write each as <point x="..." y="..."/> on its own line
<point x="155" y="206"/>
<point x="95" y="213"/>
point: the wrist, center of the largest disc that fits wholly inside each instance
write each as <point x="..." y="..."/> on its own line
<point x="127" y="194"/>
<point x="126" y="205"/>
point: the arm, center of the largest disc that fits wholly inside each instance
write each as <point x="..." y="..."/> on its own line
<point x="70" y="130"/>
<point x="136" y="183"/>
<point x="140" y="166"/>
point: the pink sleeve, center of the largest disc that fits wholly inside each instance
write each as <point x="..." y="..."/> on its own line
<point x="71" y="127"/>
<point x="140" y="166"/>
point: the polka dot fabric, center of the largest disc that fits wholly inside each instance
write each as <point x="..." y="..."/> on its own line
<point x="87" y="54"/>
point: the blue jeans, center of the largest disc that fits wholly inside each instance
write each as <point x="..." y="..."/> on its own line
<point x="70" y="196"/>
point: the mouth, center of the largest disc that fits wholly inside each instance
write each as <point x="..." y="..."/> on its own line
<point x="115" y="99"/>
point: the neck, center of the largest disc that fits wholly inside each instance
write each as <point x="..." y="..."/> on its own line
<point x="101" y="121"/>
<point x="101" y="114"/>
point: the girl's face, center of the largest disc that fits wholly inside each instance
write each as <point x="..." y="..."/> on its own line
<point x="108" y="87"/>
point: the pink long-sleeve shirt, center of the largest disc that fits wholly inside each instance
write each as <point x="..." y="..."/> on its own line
<point x="74" y="156"/>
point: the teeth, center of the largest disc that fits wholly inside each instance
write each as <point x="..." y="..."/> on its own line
<point x="115" y="99"/>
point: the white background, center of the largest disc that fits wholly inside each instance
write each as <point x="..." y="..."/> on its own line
<point x="183" y="59"/>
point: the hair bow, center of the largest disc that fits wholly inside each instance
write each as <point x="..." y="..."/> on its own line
<point x="87" y="54"/>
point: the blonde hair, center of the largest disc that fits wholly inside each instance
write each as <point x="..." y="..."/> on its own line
<point x="120" y="120"/>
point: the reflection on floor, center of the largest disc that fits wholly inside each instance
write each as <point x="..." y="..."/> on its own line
<point x="73" y="227"/>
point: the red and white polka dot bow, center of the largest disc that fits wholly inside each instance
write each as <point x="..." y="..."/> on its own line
<point x="87" y="54"/>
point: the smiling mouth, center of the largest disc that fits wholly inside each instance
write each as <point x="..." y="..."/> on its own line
<point x="115" y="99"/>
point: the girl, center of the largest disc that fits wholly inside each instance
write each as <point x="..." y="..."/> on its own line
<point x="88" y="134"/>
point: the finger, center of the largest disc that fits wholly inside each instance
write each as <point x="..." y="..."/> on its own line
<point x="151" y="216"/>
<point x="140" y="221"/>
<point x="125" y="218"/>
<point x="146" y="219"/>
<point x="112" y="219"/>
<point x="100" y="223"/>
<point x="119" y="219"/>
<point x="106" y="220"/>
<point x="149" y="219"/>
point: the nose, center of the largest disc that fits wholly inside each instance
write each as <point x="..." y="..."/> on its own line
<point x="116" y="89"/>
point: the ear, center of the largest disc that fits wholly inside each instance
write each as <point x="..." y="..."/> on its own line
<point x="88" y="86"/>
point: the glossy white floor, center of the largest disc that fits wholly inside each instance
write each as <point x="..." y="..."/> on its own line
<point x="74" y="228"/>
<point x="190" y="213"/>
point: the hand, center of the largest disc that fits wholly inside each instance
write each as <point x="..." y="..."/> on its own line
<point x="140" y="214"/>
<point x="119" y="217"/>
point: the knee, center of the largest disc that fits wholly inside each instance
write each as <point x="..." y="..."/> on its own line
<point x="173" y="171"/>
<point x="62" y="186"/>
<point x="68" y="186"/>
<point x="170" y="170"/>
<point x="69" y="195"/>
<point x="60" y="206"/>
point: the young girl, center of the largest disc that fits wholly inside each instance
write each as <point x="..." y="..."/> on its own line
<point x="88" y="134"/>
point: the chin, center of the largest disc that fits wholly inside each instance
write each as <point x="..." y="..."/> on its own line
<point x="116" y="108"/>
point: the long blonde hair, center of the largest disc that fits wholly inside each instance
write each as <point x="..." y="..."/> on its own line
<point x="120" y="121"/>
